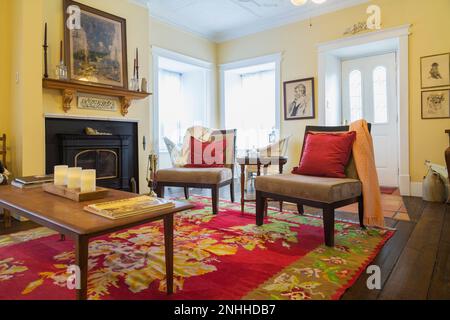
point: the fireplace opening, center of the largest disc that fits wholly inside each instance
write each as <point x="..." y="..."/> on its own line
<point x="105" y="162"/>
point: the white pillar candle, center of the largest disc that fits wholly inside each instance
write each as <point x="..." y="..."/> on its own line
<point x="60" y="175"/>
<point x="74" y="178"/>
<point x="88" y="181"/>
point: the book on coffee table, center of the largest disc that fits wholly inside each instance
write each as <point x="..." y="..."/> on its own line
<point x="129" y="207"/>
<point x="35" y="179"/>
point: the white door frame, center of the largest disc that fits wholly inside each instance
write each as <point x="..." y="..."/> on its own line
<point x="401" y="37"/>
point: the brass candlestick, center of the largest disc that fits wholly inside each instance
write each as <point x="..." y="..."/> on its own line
<point x="151" y="174"/>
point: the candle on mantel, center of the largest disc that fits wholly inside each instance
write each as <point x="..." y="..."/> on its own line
<point x="74" y="178"/>
<point x="88" y="181"/>
<point x="60" y="174"/>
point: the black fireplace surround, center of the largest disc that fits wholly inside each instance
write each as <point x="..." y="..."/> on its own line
<point x="113" y="156"/>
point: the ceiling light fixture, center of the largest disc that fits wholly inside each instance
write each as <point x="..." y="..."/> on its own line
<point x="299" y="3"/>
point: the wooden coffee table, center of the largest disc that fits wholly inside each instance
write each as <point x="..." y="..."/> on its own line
<point x="68" y="218"/>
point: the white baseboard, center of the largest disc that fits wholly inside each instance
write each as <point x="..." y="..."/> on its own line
<point x="405" y="185"/>
<point x="416" y="189"/>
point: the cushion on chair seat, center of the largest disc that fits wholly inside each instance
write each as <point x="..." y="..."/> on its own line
<point x="194" y="175"/>
<point x="327" y="190"/>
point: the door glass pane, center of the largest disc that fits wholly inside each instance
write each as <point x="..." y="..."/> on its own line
<point x="356" y="112"/>
<point x="380" y="95"/>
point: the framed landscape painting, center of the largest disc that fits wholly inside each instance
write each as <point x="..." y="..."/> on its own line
<point x="435" y="71"/>
<point x="436" y="104"/>
<point x="299" y="99"/>
<point x="97" y="52"/>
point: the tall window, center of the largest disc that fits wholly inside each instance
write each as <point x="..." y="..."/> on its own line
<point x="251" y="104"/>
<point x="182" y="100"/>
<point x="171" y="111"/>
<point x="380" y="95"/>
<point x="356" y="112"/>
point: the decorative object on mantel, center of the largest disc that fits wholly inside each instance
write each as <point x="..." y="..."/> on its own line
<point x="70" y="88"/>
<point x="92" y="132"/>
<point x="96" y="53"/>
<point x="61" y="68"/>
<point x="93" y="102"/>
<point x="45" y="46"/>
<point x="356" y="28"/>
<point x="144" y="85"/>
<point x="134" y="83"/>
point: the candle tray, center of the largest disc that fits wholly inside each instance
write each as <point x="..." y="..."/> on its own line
<point x="75" y="194"/>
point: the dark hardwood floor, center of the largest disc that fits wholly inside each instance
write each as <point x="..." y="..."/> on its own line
<point x="415" y="263"/>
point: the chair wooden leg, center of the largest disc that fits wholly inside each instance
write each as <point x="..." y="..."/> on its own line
<point x="301" y="209"/>
<point x="260" y="208"/>
<point x="215" y="199"/>
<point x="232" y="191"/>
<point x="328" y="226"/>
<point x="281" y="206"/>
<point x="186" y="193"/>
<point x="361" y="211"/>
<point x="62" y="237"/>
<point x="160" y="190"/>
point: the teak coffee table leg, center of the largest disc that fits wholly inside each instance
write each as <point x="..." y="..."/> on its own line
<point x="81" y="256"/>
<point x="168" y="243"/>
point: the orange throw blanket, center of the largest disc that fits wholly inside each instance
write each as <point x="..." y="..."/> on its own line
<point x="363" y="153"/>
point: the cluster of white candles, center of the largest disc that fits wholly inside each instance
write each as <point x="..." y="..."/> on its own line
<point x="76" y="178"/>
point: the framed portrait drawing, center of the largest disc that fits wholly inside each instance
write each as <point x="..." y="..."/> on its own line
<point x="299" y="99"/>
<point x="436" y="104"/>
<point x="435" y="71"/>
<point x="97" y="52"/>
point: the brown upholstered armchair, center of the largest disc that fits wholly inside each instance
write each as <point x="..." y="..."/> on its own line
<point x="203" y="178"/>
<point x="318" y="192"/>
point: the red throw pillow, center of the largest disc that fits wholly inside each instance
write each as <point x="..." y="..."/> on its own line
<point x="207" y="154"/>
<point x="326" y="154"/>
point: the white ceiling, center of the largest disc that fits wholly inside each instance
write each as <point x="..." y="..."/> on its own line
<point x="221" y="20"/>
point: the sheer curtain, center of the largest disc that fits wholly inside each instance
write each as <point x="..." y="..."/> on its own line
<point x="250" y="108"/>
<point x="171" y="108"/>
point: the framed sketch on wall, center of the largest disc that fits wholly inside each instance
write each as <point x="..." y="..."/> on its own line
<point x="97" y="52"/>
<point x="436" y="104"/>
<point x="435" y="71"/>
<point x="299" y="99"/>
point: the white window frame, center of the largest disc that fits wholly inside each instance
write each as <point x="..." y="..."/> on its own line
<point x="157" y="54"/>
<point x="273" y="58"/>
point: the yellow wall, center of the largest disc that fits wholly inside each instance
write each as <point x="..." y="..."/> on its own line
<point x="30" y="102"/>
<point x="5" y="70"/>
<point x="297" y="42"/>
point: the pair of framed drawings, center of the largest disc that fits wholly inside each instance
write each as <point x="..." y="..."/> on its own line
<point x="435" y="75"/>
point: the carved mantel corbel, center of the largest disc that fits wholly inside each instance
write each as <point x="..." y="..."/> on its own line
<point x="125" y="103"/>
<point x="68" y="95"/>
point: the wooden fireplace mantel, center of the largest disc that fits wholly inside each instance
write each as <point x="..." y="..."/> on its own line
<point x="69" y="90"/>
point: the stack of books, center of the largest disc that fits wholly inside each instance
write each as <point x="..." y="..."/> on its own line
<point x="31" y="182"/>
<point x="129" y="207"/>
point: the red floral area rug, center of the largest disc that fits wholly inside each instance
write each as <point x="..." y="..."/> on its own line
<point x="216" y="258"/>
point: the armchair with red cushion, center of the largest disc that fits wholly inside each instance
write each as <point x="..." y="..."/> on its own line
<point x="326" y="178"/>
<point x="210" y="166"/>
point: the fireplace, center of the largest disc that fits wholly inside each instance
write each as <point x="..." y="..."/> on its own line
<point x="113" y="156"/>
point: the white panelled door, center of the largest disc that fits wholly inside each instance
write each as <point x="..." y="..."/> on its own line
<point x="369" y="88"/>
